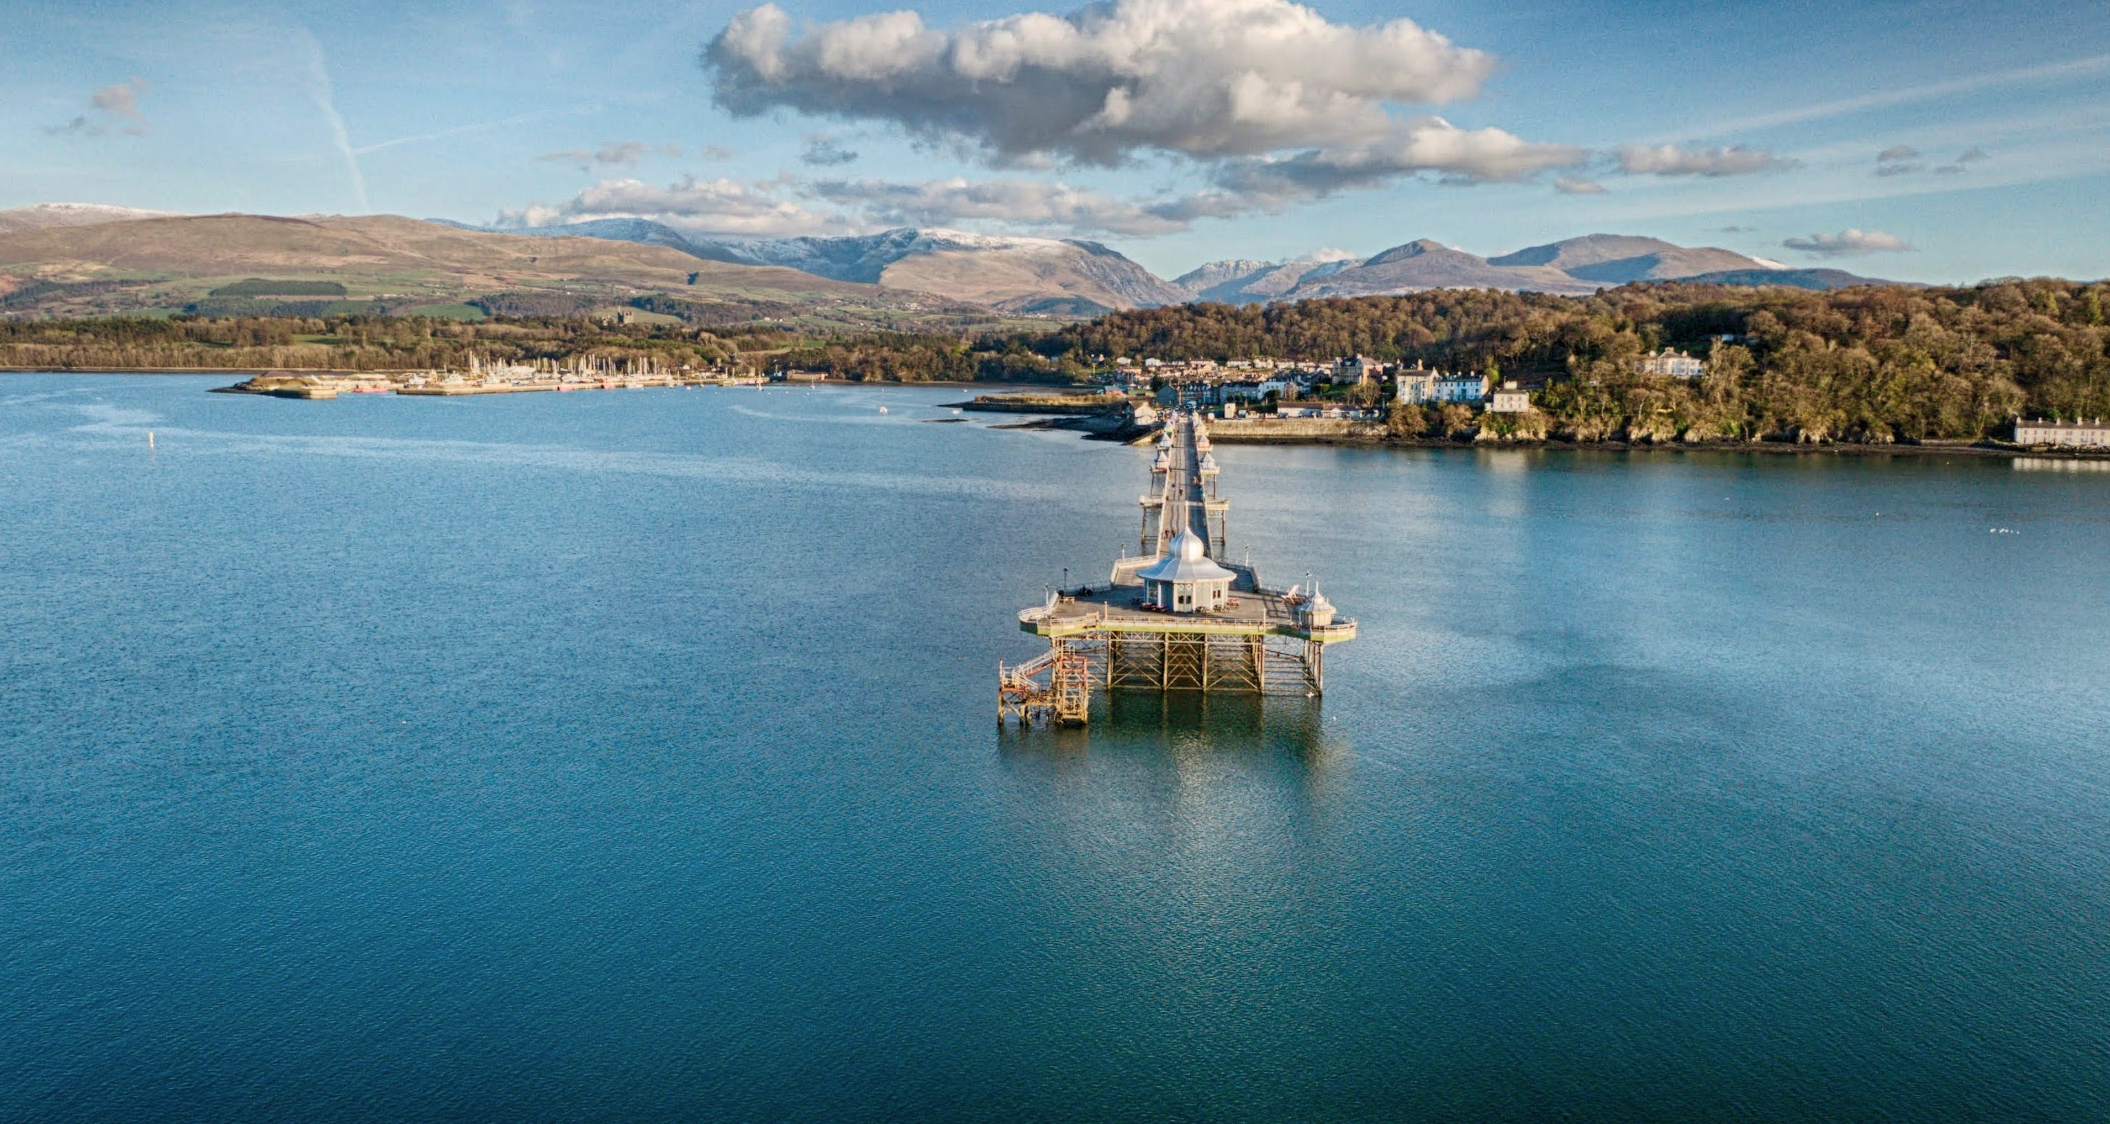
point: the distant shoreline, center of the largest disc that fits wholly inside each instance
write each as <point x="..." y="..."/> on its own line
<point x="1983" y="449"/>
<point x="339" y="372"/>
<point x="1056" y="419"/>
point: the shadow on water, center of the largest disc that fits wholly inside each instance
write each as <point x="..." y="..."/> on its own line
<point x="1172" y="800"/>
<point x="1181" y="727"/>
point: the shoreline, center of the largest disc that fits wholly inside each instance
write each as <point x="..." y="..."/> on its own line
<point x="340" y="372"/>
<point x="1986" y="448"/>
<point x="1078" y="421"/>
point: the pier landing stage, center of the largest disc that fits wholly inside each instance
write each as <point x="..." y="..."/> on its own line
<point x="1176" y="619"/>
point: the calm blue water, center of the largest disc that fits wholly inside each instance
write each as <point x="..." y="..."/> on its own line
<point x="623" y="756"/>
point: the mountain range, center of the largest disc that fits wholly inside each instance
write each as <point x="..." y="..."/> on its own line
<point x="58" y="259"/>
<point x="1030" y="276"/>
<point x="1050" y="276"/>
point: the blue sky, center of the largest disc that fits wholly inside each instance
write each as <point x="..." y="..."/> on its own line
<point x="1759" y="127"/>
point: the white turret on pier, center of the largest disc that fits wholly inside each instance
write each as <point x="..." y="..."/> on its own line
<point x="1187" y="580"/>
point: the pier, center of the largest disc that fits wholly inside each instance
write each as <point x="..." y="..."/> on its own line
<point x="1177" y="615"/>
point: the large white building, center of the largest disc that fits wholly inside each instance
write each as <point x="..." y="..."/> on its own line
<point x="1420" y="385"/>
<point x="1671" y="364"/>
<point x="2073" y="434"/>
<point x="1284" y="386"/>
<point x="1460" y="387"/>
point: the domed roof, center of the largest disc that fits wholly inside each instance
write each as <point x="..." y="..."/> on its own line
<point x="1187" y="560"/>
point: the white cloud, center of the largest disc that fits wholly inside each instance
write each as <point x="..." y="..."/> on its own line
<point x="1850" y="242"/>
<point x="1239" y="187"/>
<point x="720" y="206"/>
<point x="1207" y="79"/>
<point x="1671" y="160"/>
<point x="1429" y="145"/>
<point x="1007" y="202"/>
<point x="1576" y="185"/>
<point x="1269" y="101"/>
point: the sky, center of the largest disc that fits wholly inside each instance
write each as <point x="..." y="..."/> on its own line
<point x="1929" y="140"/>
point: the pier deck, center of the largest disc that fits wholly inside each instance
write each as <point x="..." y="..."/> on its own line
<point x="1261" y="640"/>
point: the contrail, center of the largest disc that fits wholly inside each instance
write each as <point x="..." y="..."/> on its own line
<point x="578" y="110"/>
<point x="326" y="100"/>
<point x="2049" y="72"/>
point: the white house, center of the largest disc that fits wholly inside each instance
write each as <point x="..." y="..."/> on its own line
<point x="1673" y="364"/>
<point x="2073" y="434"/>
<point x="1417" y="385"/>
<point x="1509" y="398"/>
<point x="1459" y="387"/>
<point x="1283" y="386"/>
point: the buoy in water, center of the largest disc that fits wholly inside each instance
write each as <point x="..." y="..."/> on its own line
<point x="882" y="409"/>
<point x="150" y="439"/>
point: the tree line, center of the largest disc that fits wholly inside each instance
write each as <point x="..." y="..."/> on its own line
<point x="1874" y="364"/>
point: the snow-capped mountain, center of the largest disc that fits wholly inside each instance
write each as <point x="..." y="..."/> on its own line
<point x="1070" y="277"/>
<point x="48" y="216"/>
<point x="1245" y="281"/>
<point x="1057" y="275"/>
<point x="1574" y="266"/>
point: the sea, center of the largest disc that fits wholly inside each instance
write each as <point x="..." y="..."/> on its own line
<point x="632" y="755"/>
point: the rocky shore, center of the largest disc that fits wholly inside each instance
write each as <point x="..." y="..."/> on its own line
<point x="1070" y="405"/>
